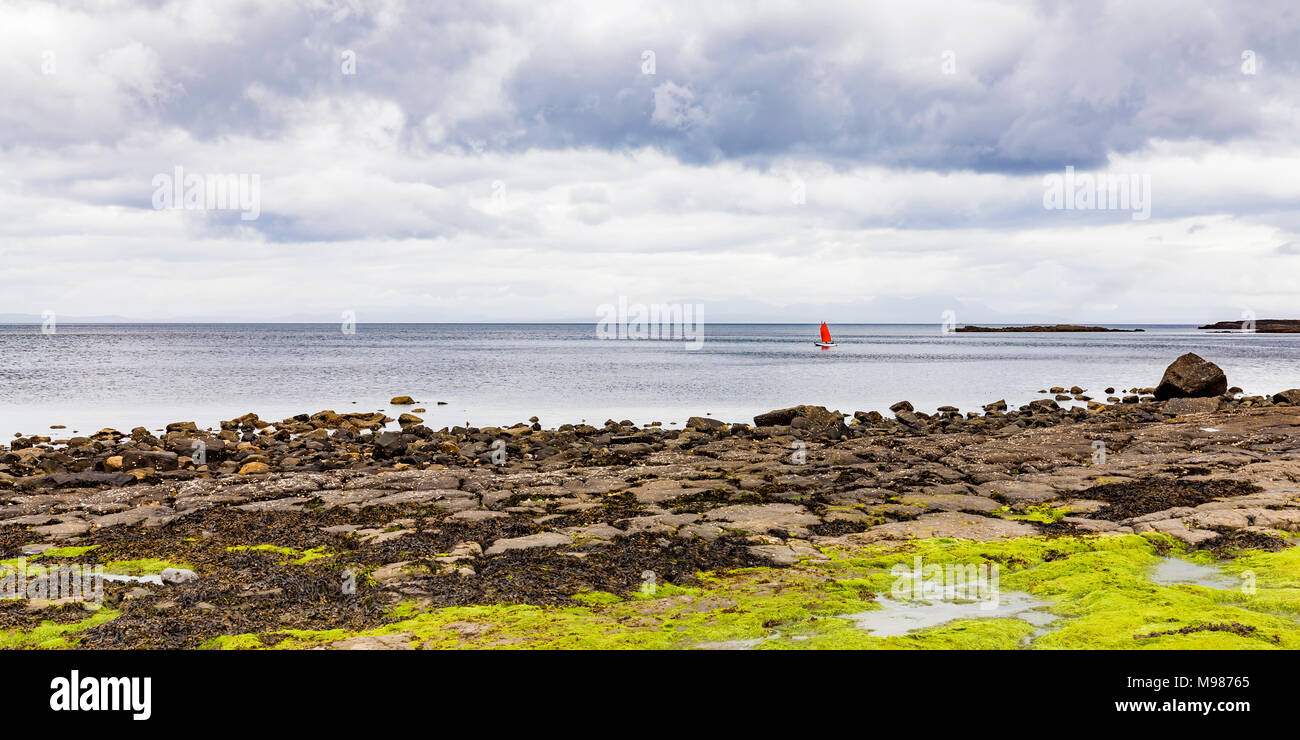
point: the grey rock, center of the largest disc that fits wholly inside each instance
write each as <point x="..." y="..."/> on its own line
<point x="1191" y="376"/>
<point x="1192" y="405"/>
<point x="176" y="576"/>
<point x="529" y="542"/>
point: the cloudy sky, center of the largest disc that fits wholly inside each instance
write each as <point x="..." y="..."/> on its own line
<point x="859" y="161"/>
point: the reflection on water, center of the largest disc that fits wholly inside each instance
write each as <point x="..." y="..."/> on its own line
<point x="899" y="617"/>
<point x="1174" y="572"/>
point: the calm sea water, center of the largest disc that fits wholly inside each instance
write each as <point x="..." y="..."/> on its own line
<point x="92" y="376"/>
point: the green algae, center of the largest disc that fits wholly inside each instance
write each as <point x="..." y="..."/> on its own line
<point x="1043" y="513"/>
<point x="1098" y="586"/>
<point x="65" y="552"/>
<point x="33" y="569"/>
<point x="141" y="567"/>
<point x="295" y="557"/>
<point x="51" y="636"/>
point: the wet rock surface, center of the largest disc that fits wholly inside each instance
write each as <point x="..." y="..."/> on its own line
<point x="328" y="520"/>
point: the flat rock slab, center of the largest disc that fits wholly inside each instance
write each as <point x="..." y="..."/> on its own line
<point x="1183" y="406"/>
<point x="63" y="530"/>
<point x="1020" y="492"/>
<point x="132" y="517"/>
<point x="447" y="500"/>
<point x="292" y="503"/>
<point x="658" y="523"/>
<point x="952" y="524"/>
<point x="659" y="491"/>
<point x="761" y="518"/>
<point x="1178" y="529"/>
<point x="788" y="554"/>
<point x="478" y="515"/>
<point x="400" y="641"/>
<point x="544" y="539"/>
<point x="600" y="531"/>
<point x="399" y="571"/>
<point x="950" y="502"/>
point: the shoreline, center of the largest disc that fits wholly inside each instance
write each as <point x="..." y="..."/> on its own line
<point x="443" y="544"/>
<point x="375" y="440"/>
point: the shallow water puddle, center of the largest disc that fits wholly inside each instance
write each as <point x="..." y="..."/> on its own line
<point x="733" y="644"/>
<point x="115" y="578"/>
<point x="1175" y="572"/>
<point x="897" y="617"/>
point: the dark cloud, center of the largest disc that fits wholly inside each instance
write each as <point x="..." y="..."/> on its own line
<point x="1034" y="87"/>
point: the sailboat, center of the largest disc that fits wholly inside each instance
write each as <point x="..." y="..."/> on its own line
<point x="826" y="337"/>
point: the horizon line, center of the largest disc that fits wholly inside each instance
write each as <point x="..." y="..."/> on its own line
<point x="585" y="323"/>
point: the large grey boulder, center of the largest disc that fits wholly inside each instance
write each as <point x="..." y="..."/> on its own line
<point x="817" y="420"/>
<point x="1192" y="376"/>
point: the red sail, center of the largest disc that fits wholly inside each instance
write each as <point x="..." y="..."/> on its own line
<point x="826" y="333"/>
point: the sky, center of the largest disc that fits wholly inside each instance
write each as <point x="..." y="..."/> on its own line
<point x="788" y="161"/>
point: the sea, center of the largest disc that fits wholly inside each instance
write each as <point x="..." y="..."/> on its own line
<point x="85" y="377"/>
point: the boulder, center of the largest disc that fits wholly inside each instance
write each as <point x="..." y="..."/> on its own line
<point x="1291" y="396"/>
<point x="176" y="576"/>
<point x="132" y="459"/>
<point x="704" y="424"/>
<point x="1192" y="376"/>
<point x="1043" y="405"/>
<point x="818" y="420"/>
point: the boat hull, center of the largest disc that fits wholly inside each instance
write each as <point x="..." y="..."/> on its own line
<point x="826" y="344"/>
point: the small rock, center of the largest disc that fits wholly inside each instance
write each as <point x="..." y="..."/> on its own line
<point x="176" y="576"/>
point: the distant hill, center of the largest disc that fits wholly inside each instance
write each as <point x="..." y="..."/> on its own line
<point x="35" y="318"/>
<point x="1055" y="327"/>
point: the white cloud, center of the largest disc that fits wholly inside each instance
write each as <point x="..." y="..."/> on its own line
<point x="513" y="162"/>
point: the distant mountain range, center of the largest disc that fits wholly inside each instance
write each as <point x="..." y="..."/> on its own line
<point x="35" y="318"/>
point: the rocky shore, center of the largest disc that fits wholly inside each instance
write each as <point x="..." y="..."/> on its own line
<point x="327" y="530"/>
<point x="1262" y="326"/>
<point x="1050" y="328"/>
